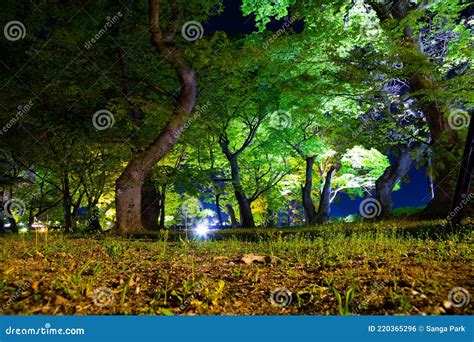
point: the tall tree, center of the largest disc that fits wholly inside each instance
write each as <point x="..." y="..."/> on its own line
<point x="130" y="182"/>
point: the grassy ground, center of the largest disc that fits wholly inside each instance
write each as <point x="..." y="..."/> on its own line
<point x="382" y="268"/>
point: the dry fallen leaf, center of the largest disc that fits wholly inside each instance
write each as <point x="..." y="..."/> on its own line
<point x="262" y="259"/>
<point x="60" y="300"/>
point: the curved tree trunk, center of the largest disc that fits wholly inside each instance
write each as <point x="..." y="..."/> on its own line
<point x="246" y="217"/>
<point x="325" y="202"/>
<point x="129" y="184"/>
<point x="385" y="183"/>
<point x="445" y="144"/>
<point x="308" y="204"/>
<point x="443" y="139"/>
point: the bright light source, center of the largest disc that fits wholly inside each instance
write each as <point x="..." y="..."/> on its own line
<point x="202" y="228"/>
<point x="23" y="230"/>
<point x="7" y="225"/>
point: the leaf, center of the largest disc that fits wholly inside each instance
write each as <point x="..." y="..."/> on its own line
<point x="9" y="271"/>
<point x="60" y="300"/>
<point x="166" y="312"/>
<point x="35" y="285"/>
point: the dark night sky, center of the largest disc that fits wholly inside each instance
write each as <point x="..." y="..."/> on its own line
<point x="414" y="193"/>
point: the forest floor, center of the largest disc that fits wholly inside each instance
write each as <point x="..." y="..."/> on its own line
<point x="366" y="268"/>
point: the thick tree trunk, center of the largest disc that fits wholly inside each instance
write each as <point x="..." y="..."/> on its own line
<point x="445" y="141"/>
<point x="246" y="217"/>
<point x="129" y="184"/>
<point x="442" y="151"/>
<point x="325" y="202"/>
<point x="231" y="213"/>
<point x="462" y="201"/>
<point x="150" y="204"/>
<point x="308" y="204"/>
<point x="385" y="183"/>
<point x="93" y="222"/>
